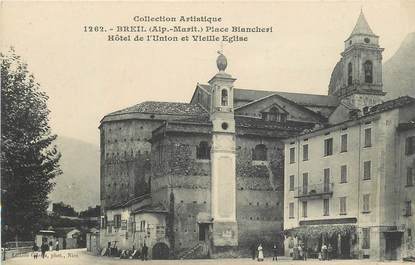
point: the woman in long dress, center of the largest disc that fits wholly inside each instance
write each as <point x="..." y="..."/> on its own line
<point x="260" y="253"/>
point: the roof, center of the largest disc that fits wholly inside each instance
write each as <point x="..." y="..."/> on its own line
<point x="155" y="107"/>
<point x="406" y="125"/>
<point x="150" y="209"/>
<point x="251" y="122"/>
<point x="130" y="201"/>
<point x="392" y="104"/>
<point x="256" y="123"/>
<point x="63" y="231"/>
<point x="46" y="232"/>
<point x="299" y="98"/>
<point x="382" y="107"/>
<point x="362" y="27"/>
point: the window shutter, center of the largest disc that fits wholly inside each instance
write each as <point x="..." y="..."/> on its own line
<point x="407" y="145"/>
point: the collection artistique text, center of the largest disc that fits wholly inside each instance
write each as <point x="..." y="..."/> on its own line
<point x="177" y="19"/>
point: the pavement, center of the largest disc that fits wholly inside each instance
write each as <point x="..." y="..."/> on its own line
<point x="82" y="257"/>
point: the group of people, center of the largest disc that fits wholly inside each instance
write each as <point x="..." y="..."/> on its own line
<point x="258" y="252"/>
<point x="43" y="248"/>
<point x="326" y="252"/>
<point x="134" y="253"/>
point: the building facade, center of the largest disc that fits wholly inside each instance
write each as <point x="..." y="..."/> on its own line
<point x="348" y="185"/>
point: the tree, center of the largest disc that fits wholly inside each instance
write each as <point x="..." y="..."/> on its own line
<point x="61" y="209"/>
<point x="29" y="158"/>
<point x="91" y="212"/>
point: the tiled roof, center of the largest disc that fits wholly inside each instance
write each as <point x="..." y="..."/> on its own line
<point x="299" y="98"/>
<point x="249" y="122"/>
<point x="204" y="118"/>
<point x="163" y="108"/>
<point x="392" y="104"/>
<point x="406" y="125"/>
<point x="151" y="209"/>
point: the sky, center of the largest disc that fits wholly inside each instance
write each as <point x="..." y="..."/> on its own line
<point x="87" y="77"/>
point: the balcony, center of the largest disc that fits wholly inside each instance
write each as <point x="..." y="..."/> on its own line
<point x="315" y="191"/>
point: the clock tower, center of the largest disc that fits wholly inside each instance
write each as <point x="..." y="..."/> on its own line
<point x="361" y="85"/>
<point x="223" y="176"/>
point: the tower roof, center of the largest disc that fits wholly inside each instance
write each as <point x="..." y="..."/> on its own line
<point x="362" y="27"/>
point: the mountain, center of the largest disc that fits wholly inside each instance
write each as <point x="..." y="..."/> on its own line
<point x="79" y="183"/>
<point x="399" y="70"/>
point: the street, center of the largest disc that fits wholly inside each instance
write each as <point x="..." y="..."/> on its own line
<point x="80" y="257"/>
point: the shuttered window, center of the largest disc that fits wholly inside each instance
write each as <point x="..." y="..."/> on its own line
<point x="366" y="238"/>
<point x="409" y="176"/>
<point x="326" y="207"/>
<point x="366" y="203"/>
<point x="305" y="209"/>
<point x="305" y="152"/>
<point x="291" y="210"/>
<point x="367" y="170"/>
<point x="292" y="183"/>
<point x="292" y="155"/>
<point x="343" y="209"/>
<point x="368" y="137"/>
<point x="343" y="147"/>
<point x="343" y="174"/>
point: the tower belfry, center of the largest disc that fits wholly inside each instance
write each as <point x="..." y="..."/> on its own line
<point x="223" y="176"/>
<point x="361" y="62"/>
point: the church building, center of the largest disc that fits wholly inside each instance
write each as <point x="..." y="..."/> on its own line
<point x="204" y="178"/>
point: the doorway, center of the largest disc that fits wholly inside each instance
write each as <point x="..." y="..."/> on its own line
<point x="393" y="245"/>
<point x="203" y="231"/>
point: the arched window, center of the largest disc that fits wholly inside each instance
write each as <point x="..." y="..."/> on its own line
<point x="259" y="153"/>
<point x="349" y="74"/>
<point x="368" y="66"/>
<point x="224" y="98"/>
<point x="203" y="150"/>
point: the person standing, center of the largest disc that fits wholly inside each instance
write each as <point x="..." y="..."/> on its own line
<point x="300" y="252"/>
<point x="260" y="253"/>
<point x="275" y="252"/>
<point x="329" y="252"/>
<point x="324" y="251"/>
<point x="57" y="245"/>
<point x="43" y="249"/>
<point x="253" y="251"/>
<point x="35" y="250"/>
<point x="144" y="252"/>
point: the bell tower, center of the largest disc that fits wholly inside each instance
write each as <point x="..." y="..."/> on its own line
<point x="223" y="169"/>
<point x="361" y="85"/>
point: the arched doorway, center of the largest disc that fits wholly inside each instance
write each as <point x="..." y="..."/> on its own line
<point x="160" y="251"/>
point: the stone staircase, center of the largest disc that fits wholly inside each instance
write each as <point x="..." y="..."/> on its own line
<point x="198" y="251"/>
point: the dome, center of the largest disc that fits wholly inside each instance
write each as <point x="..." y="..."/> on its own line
<point x="336" y="78"/>
<point x="221" y="62"/>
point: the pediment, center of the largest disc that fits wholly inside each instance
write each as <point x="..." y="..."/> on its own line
<point x="293" y="111"/>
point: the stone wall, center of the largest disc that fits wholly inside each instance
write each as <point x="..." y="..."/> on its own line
<point x="176" y="169"/>
<point x="125" y="159"/>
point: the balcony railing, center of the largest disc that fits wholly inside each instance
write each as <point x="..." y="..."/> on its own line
<point x="315" y="190"/>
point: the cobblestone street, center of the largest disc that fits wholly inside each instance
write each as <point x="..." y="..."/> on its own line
<point x="81" y="257"/>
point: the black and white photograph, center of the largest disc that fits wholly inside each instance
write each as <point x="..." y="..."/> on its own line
<point x="207" y="132"/>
